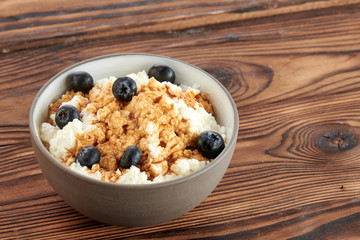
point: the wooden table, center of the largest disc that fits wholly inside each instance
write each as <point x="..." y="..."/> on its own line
<point x="292" y="67"/>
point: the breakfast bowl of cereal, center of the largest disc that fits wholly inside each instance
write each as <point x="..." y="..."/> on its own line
<point x="133" y="139"/>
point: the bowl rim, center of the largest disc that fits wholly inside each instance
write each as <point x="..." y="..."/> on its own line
<point x="51" y="158"/>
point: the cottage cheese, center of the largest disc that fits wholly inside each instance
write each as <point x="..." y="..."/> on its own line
<point x="163" y="120"/>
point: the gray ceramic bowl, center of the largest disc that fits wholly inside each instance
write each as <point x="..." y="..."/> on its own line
<point x="134" y="204"/>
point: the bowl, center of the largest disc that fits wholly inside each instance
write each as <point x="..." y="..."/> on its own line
<point x="134" y="204"/>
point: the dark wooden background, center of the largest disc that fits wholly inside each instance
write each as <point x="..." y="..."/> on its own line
<point x="292" y="67"/>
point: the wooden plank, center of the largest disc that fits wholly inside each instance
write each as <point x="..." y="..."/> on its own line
<point x="53" y="22"/>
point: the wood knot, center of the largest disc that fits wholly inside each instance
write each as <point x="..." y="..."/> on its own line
<point x="322" y="142"/>
<point x="223" y="75"/>
<point x="336" y="141"/>
<point x="239" y="76"/>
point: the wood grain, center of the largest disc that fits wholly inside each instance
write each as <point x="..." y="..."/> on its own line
<point x="45" y="23"/>
<point x="292" y="67"/>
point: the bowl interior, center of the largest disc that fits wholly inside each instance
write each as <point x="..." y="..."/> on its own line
<point x="123" y="64"/>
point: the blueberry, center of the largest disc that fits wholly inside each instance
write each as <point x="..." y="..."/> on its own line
<point x="162" y="73"/>
<point x="66" y="114"/>
<point x="81" y="81"/>
<point x="88" y="156"/>
<point x="210" y="144"/>
<point x="131" y="156"/>
<point x="124" y="89"/>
